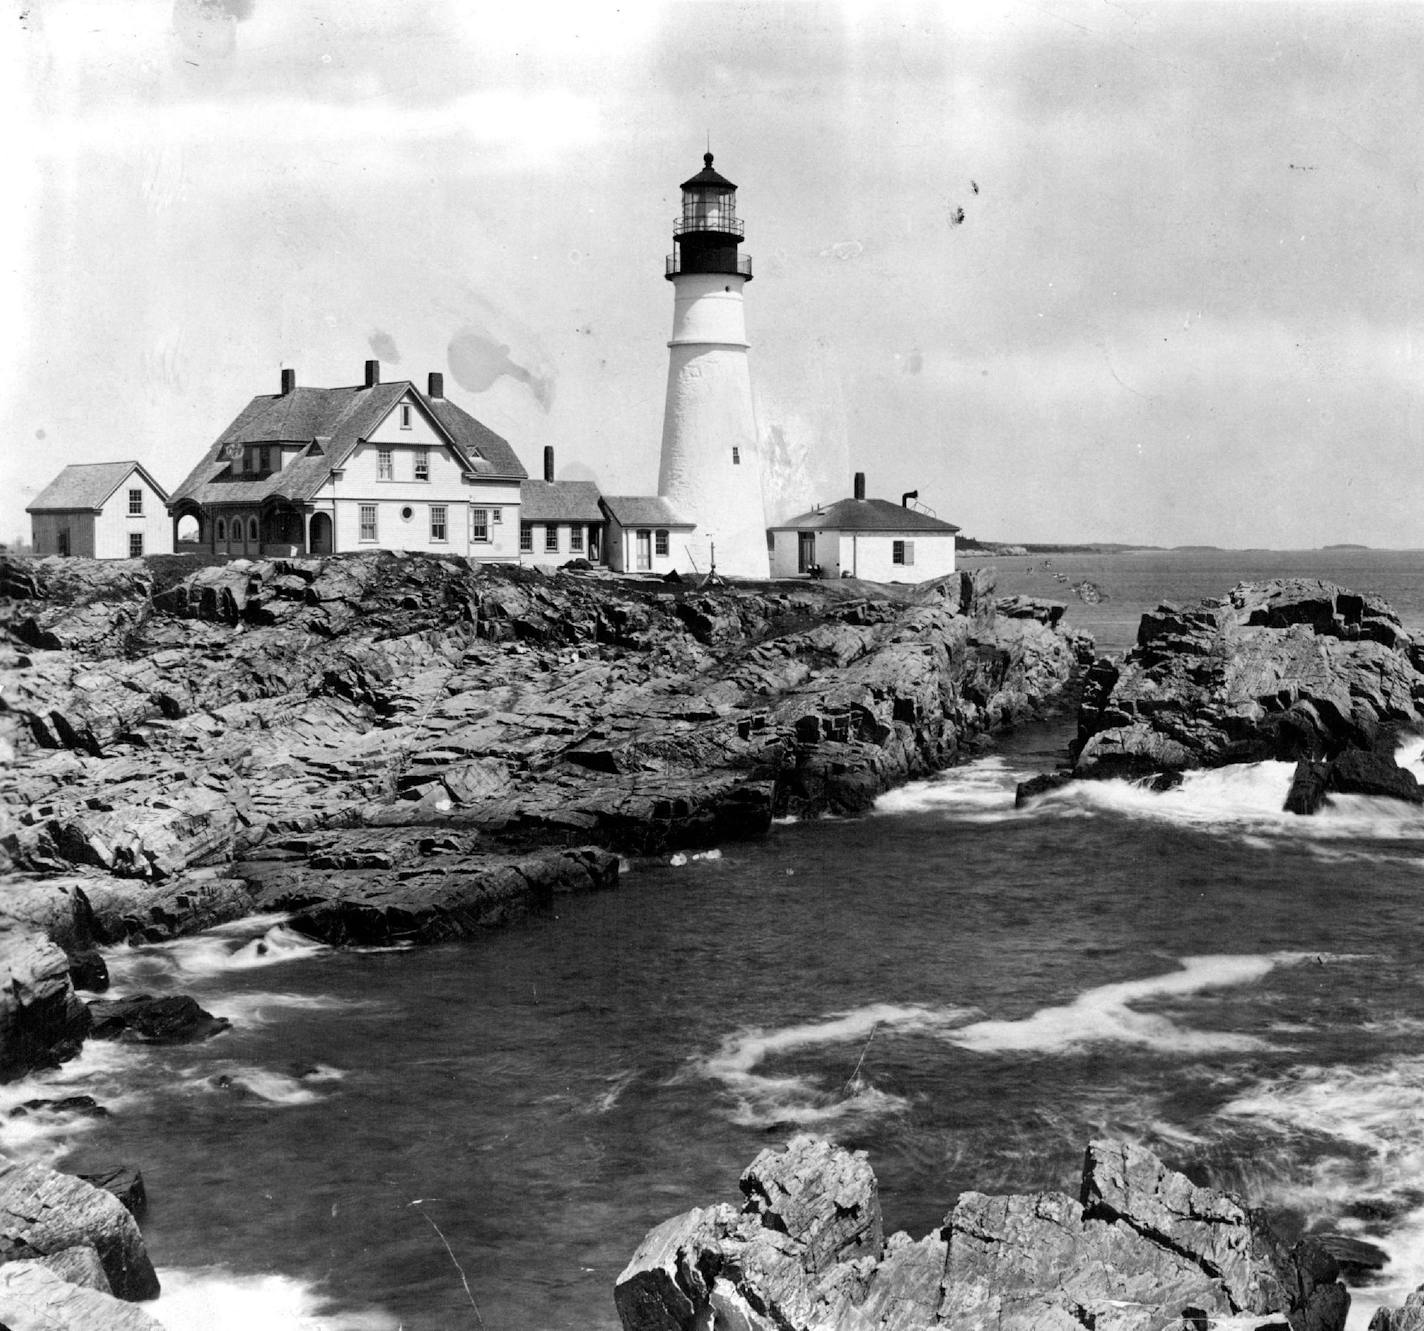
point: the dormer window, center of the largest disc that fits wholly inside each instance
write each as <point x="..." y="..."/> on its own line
<point x="405" y="416"/>
<point x="265" y="461"/>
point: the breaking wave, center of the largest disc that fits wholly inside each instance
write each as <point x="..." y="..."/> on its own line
<point x="261" y="940"/>
<point x="215" y="1299"/>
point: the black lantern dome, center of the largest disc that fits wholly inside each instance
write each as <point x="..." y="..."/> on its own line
<point x="708" y="230"/>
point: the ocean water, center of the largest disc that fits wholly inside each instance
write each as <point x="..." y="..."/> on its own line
<point x="479" y="1134"/>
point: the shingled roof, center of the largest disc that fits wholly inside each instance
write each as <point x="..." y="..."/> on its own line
<point x="87" y="486"/>
<point x="559" y="501"/>
<point x="332" y="421"/>
<point x="867" y="515"/>
<point x="643" y="511"/>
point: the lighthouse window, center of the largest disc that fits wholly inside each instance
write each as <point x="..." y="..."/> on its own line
<point x="736" y="456"/>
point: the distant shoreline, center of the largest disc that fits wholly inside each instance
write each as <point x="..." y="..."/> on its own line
<point x="1018" y="550"/>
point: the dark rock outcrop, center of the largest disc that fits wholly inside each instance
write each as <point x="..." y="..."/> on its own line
<point x="186" y="745"/>
<point x="1142" y="1249"/>
<point x="1409" y="1317"/>
<point x="42" y="1020"/>
<point x="44" y="1212"/>
<point x="143" y="1019"/>
<point x="1290" y="669"/>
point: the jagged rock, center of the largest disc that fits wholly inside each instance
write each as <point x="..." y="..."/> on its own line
<point x="141" y="1018"/>
<point x="36" y="1297"/>
<point x="1144" y="1249"/>
<point x="1358" y="772"/>
<point x="1293" y="669"/>
<point x="1409" y="1317"/>
<point x="42" y="1020"/>
<point x="43" y="1212"/>
<point x="438" y="903"/>
<point x="125" y="1182"/>
<point x="1039" y="785"/>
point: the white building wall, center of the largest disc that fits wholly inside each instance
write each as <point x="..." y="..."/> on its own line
<point x="114" y="524"/>
<point x="623" y="549"/>
<point x="710" y="468"/>
<point x="867" y="555"/>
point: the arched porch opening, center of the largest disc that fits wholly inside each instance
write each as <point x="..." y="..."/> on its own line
<point x="320" y="541"/>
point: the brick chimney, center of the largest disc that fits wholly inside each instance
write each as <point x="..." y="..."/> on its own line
<point x="548" y="462"/>
<point x="373" y="373"/>
<point x="436" y="387"/>
<point x="860" y="485"/>
<point x="289" y="381"/>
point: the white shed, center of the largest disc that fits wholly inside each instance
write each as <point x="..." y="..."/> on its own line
<point x="106" y="510"/>
<point x="645" y="535"/>
<point x="864" y="538"/>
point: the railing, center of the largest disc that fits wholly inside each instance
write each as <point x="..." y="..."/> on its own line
<point x="726" y="222"/>
<point x="674" y="266"/>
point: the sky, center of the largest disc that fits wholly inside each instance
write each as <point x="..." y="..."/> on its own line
<point x="1088" y="271"/>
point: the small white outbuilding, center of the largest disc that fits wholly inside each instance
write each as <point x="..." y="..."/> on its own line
<point x="106" y="510"/>
<point x="864" y="538"/>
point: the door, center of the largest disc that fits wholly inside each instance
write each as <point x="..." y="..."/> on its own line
<point x="645" y="550"/>
<point x="321" y="534"/>
<point x="805" y="551"/>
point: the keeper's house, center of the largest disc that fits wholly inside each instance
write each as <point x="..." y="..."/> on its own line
<point x="376" y="466"/>
<point x="106" y="510"/>
<point x="864" y="538"/>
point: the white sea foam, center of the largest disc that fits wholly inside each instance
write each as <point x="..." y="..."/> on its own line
<point x="761" y="1098"/>
<point x="102" y="1070"/>
<point x="1245" y="799"/>
<point x="1103" y="1015"/>
<point x="242" y="945"/>
<point x="1364" y="1126"/>
<point x="273" y="1088"/>
<point x="979" y="791"/>
<point x="1106" y="1015"/>
<point x="216" y="1299"/>
<point x="260" y="1009"/>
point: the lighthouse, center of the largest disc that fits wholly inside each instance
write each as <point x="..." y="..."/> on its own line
<point x="711" y="455"/>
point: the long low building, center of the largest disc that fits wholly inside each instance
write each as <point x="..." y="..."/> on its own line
<point x="106" y="510"/>
<point x="865" y="538"/>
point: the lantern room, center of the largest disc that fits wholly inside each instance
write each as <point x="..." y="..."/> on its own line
<point x="708" y="231"/>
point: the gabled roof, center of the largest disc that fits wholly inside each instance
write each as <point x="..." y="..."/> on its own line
<point x="642" y="511"/>
<point x="559" y="501"/>
<point x="88" y="485"/>
<point x="331" y="421"/>
<point x="867" y="515"/>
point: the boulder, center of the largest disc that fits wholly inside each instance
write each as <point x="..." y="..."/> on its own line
<point x="42" y="1020"/>
<point x="43" y="1212"/>
<point x="1142" y="1249"/>
<point x="143" y="1019"/>
<point x="34" y="1296"/>
<point x="1409" y="1317"/>
<point x="1290" y="669"/>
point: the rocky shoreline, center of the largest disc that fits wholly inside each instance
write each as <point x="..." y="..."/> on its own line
<point x="1142" y="1248"/>
<point x="408" y="749"/>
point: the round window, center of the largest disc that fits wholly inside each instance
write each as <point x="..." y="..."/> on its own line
<point x="407" y="513"/>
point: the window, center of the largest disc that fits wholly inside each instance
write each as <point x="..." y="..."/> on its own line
<point x="526" y="535"/>
<point x="479" y="524"/>
<point x="252" y="530"/>
<point x="902" y="552"/>
<point x="265" y="462"/>
<point x="222" y="530"/>
<point x="551" y="537"/>
<point x="736" y="456"/>
<point x="368" y="522"/>
<point x="496" y="515"/>
<point x="135" y="544"/>
<point x="437" y="522"/>
<point x="405" y="415"/>
<point x="576" y="537"/>
<point x="135" y="503"/>
<point x="422" y="464"/>
<point x="660" y="543"/>
<point x="385" y="464"/>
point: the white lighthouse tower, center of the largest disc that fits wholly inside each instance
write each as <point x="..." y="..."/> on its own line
<point x="711" y="458"/>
